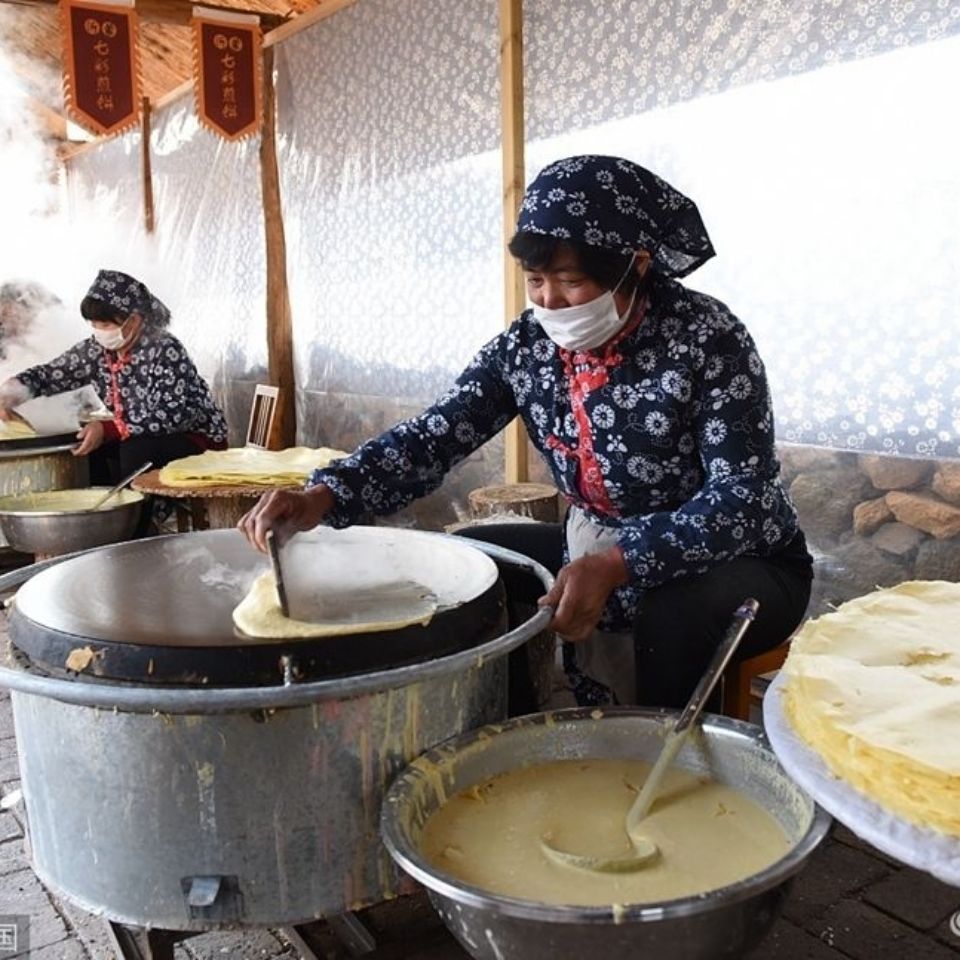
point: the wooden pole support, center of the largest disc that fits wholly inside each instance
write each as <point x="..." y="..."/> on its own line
<point x="516" y="466"/>
<point x="149" y="221"/>
<point x="279" y="320"/>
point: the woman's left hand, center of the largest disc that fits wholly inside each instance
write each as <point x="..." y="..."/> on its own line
<point x="90" y="436"/>
<point x="581" y="591"/>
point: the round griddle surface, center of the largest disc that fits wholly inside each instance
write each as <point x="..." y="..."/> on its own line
<point x="160" y="610"/>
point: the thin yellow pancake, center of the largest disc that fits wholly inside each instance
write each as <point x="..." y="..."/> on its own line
<point x="390" y="606"/>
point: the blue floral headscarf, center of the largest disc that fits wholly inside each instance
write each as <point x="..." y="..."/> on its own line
<point x="616" y="204"/>
<point x="128" y="295"/>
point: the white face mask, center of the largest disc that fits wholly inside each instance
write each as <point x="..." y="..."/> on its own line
<point x="586" y="325"/>
<point x="110" y="339"/>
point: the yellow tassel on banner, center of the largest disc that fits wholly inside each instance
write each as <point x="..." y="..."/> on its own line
<point x="227" y="70"/>
<point x="101" y="63"/>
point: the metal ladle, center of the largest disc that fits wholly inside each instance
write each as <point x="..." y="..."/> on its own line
<point x="644" y="849"/>
<point x="126" y="480"/>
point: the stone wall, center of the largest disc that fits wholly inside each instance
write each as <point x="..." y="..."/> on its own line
<point x="873" y="521"/>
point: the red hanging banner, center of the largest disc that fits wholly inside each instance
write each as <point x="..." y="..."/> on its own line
<point x="227" y="72"/>
<point x="101" y="63"/>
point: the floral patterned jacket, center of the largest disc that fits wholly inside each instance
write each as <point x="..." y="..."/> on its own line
<point x="152" y="390"/>
<point x="665" y="433"/>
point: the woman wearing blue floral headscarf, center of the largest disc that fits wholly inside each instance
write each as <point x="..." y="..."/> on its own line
<point x="649" y="404"/>
<point x="162" y="408"/>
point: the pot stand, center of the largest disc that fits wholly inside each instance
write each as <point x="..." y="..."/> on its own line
<point x="137" y="943"/>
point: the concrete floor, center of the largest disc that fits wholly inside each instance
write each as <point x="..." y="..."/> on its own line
<point x="851" y="902"/>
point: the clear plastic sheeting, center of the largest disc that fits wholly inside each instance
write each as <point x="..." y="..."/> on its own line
<point x="206" y="259"/>
<point x="391" y="180"/>
<point x="812" y="137"/>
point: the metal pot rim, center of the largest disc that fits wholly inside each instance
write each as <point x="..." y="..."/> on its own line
<point x="125" y="504"/>
<point x="446" y="885"/>
<point x="179" y="700"/>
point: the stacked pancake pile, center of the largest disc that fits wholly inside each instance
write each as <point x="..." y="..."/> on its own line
<point x="874" y="688"/>
<point x="247" y="466"/>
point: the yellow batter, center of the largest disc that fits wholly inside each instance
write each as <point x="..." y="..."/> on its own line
<point x="247" y="465"/>
<point x="66" y="501"/>
<point x="874" y="688"/>
<point x="709" y="835"/>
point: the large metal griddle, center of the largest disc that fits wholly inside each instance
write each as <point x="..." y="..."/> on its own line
<point x="159" y="611"/>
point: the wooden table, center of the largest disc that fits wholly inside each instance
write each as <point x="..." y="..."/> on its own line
<point x="214" y="508"/>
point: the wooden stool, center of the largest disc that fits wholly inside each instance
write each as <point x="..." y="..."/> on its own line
<point x="539" y="501"/>
<point x="738" y="677"/>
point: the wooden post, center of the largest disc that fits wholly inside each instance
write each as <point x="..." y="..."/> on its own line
<point x="279" y="322"/>
<point x="148" y="215"/>
<point x="512" y="136"/>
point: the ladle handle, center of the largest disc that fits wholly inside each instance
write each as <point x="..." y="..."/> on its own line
<point x="143" y="468"/>
<point x="742" y="619"/>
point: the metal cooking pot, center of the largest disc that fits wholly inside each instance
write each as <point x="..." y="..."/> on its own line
<point x="723" y="923"/>
<point x="32" y="527"/>
<point x="206" y="806"/>
<point x="27" y="466"/>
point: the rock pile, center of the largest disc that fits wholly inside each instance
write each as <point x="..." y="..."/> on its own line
<point x="874" y="521"/>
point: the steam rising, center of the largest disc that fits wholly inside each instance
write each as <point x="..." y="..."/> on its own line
<point x="54" y="239"/>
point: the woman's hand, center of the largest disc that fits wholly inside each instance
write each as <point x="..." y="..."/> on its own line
<point x="286" y="512"/>
<point x="581" y="591"/>
<point x="90" y="436"/>
<point x="12" y="394"/>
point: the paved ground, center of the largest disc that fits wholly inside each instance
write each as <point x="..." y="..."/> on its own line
<point x="850" y="902"/>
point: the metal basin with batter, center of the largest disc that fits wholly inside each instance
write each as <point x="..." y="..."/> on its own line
<point x="719" y="924"/>
<point x="44" y="522"/>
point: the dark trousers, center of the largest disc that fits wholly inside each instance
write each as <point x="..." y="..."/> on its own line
<point x="110" y="463"/>
<point x="679" y="624"/>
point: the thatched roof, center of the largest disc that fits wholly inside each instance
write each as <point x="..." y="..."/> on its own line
<point x="30" y="37"/>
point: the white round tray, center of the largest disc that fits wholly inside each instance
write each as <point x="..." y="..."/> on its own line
<point x="920" y="847"/>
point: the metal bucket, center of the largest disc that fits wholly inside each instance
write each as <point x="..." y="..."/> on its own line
<point x="722" y="923"/>
<point x="201" y="808"/>
<point x="25" y="469"/>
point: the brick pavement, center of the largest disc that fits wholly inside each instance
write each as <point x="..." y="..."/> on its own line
<point x="850" y="902"/>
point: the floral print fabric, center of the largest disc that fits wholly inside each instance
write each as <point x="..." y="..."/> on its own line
<point x="616" y="204"/>
<point x="154" y="389"/>
<point x="129" y="296"/>
<point x="682" y="429"/>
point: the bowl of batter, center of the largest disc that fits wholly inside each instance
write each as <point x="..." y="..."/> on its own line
<point x="468" y="820"/>
<point x="63" y="521"/>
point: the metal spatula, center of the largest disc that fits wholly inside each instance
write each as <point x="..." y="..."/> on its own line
<point x="644" y="849"/>
<point x="274" y="552"/>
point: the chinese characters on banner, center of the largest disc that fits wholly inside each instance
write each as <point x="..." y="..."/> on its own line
<point x="227" y="73"/>
<point x="101" y="64"/>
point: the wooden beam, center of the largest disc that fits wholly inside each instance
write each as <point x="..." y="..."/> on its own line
<point x="148" y="217"/>
<point x="326" y="8"/>
<point x="180" y="11"/>
<point x="516" y="466"/>
<point x="279" y="320"/>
